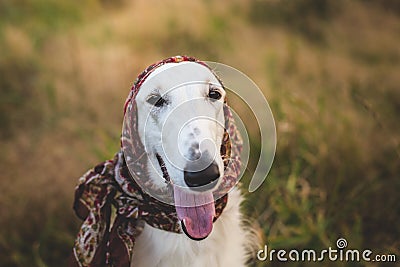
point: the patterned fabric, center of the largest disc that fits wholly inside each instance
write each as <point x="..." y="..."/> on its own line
<point x="114" y="207"/>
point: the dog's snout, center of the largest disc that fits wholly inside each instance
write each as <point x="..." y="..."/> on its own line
<point x="194" y="151"/>
<point x="205" y="178"/>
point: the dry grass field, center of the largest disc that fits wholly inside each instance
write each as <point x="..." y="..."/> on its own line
<point x="329" y="69"/>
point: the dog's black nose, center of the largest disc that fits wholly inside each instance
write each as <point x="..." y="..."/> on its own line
<point x="207" y="176"/>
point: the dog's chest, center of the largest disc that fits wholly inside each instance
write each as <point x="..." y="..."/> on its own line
<point x="224" y="246"/>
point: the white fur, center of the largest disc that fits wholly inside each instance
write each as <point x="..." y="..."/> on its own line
<point x="171" y="130"/>
<point x="226" y="245"/>
<point x="166" y="132"/>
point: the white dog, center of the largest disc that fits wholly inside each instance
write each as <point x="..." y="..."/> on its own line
<point x="180" y="118"/>
<point x="226" y="242"/>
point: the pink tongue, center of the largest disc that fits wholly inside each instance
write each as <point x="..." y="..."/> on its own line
<point x="195" y="210"/>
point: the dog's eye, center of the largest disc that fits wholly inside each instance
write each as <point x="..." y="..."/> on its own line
<point x="214" y="94"/>
<point x="156" y="100"/>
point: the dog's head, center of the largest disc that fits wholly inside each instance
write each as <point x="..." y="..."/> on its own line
<point x="180" y="122"/>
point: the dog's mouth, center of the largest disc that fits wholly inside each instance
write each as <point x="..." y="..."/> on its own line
<point x="195" y="210"/>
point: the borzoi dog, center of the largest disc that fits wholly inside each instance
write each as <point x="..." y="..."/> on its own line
<point x="181" y="124"/>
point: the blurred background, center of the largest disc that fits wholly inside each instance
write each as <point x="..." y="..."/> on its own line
<point x="329" y="69"/>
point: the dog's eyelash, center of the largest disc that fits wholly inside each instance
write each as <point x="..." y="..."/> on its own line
<point x="156" y="100"/>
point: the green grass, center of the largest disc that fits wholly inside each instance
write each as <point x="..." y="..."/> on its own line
<point x="329" y="70"/>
